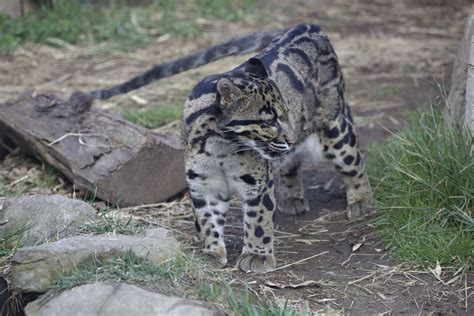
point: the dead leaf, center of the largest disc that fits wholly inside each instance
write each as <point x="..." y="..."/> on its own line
<point x="139" y="100"/>
<point x="356" y="247"/>
<point x="293" y="286"/>
<point x="163" y="38"/>
<point x="437" y="270"/>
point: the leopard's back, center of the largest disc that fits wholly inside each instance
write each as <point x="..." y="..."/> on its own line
<point x="305" y="67"/>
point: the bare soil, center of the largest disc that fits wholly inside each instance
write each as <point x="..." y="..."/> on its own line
<point x="395" y="57"/>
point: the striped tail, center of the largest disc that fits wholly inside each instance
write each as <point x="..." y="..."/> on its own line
<point x="247" y="44"/>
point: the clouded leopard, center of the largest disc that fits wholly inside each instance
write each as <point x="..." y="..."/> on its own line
<point x="256" y="121"/>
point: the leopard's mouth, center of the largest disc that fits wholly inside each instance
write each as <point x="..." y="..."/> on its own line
<point x="279" y="147"/>
<point x="272" y="152"/>
<point x="269" y="150"/>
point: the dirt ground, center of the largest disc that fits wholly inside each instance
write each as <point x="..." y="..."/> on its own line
<point x="395" y="56"/>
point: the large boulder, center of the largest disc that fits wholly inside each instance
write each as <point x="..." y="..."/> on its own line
<point x="115" y="299"/>
<point x="39" y="218"/>
<point x="37" y="268"/>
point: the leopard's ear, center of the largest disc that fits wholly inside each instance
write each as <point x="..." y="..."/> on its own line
<point x="228" y="93"/>
<point x="254" y="66"/>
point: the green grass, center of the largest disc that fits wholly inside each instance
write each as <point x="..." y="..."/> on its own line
<point x="49" y="177"/>
<point x="184" y="276"/>
<point x="231" y="10"/>
<point x="69" y="22"/>
<point x="155" y="116"/>
<point x="4" y="191"/>
<point x="388" y="90"/>
<point x="12" y="241"/>
<point x="423" y="181"/>
<point x="110" y="222"/>
<point x="9" y="243"/>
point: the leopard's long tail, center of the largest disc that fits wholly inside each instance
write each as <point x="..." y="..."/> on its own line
<point x="250" y="43"/>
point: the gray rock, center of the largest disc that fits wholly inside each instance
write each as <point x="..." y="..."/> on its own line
<point x="115" y="299"/>
<point x="43" y="217"/>
<point x="37" y="268"/>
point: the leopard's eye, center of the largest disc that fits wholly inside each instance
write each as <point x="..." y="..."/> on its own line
<point x="270" y="121"/>
<point x="268" y="116"/>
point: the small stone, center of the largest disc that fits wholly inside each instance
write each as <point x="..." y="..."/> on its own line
<point x="115" y="299"/>
<point x="43" y="217"/>
<point x="37" y="268"/>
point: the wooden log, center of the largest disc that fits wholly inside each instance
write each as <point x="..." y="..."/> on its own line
<point x="117" y="161"/>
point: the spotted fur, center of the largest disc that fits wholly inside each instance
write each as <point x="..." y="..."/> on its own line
<point x="260" y="119"/>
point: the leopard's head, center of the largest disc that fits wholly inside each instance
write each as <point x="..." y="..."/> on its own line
<point x="253" y="111"/>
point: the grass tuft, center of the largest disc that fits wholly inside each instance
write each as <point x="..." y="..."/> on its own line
<point x="4" y="191"/>
<point x="423" y="180"/>
<point x="230" y="10"/>
<point x="155" y="116"/>
<point x="110" y="222"/>
<point x="12" y="241"/>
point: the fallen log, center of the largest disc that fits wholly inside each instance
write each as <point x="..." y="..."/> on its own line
<point x="117" y="161"/>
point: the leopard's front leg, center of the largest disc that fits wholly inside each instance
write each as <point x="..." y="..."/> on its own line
<point x="257" y="253"/>
<point x="210" y="199"/>
<point x="256" y="190"/>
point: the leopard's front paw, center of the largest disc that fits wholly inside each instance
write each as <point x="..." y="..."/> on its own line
<point x="360" y="208"/>
<point x="256" y="263"/>
<point x="293" y="206"/>
<point x="218" y="256"/>
<point x="359" y="199"/>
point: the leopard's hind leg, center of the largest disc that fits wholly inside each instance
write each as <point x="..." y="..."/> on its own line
<point x="334" y="126"/>
<point x="289" y="189"/>
<point x="340" y="146"/>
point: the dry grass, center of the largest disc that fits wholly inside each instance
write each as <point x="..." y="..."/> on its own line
<point x="177" y="216"/>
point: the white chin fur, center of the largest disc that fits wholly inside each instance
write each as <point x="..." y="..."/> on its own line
<point x="268" y="157"/>
<point x="262" y="153"/>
